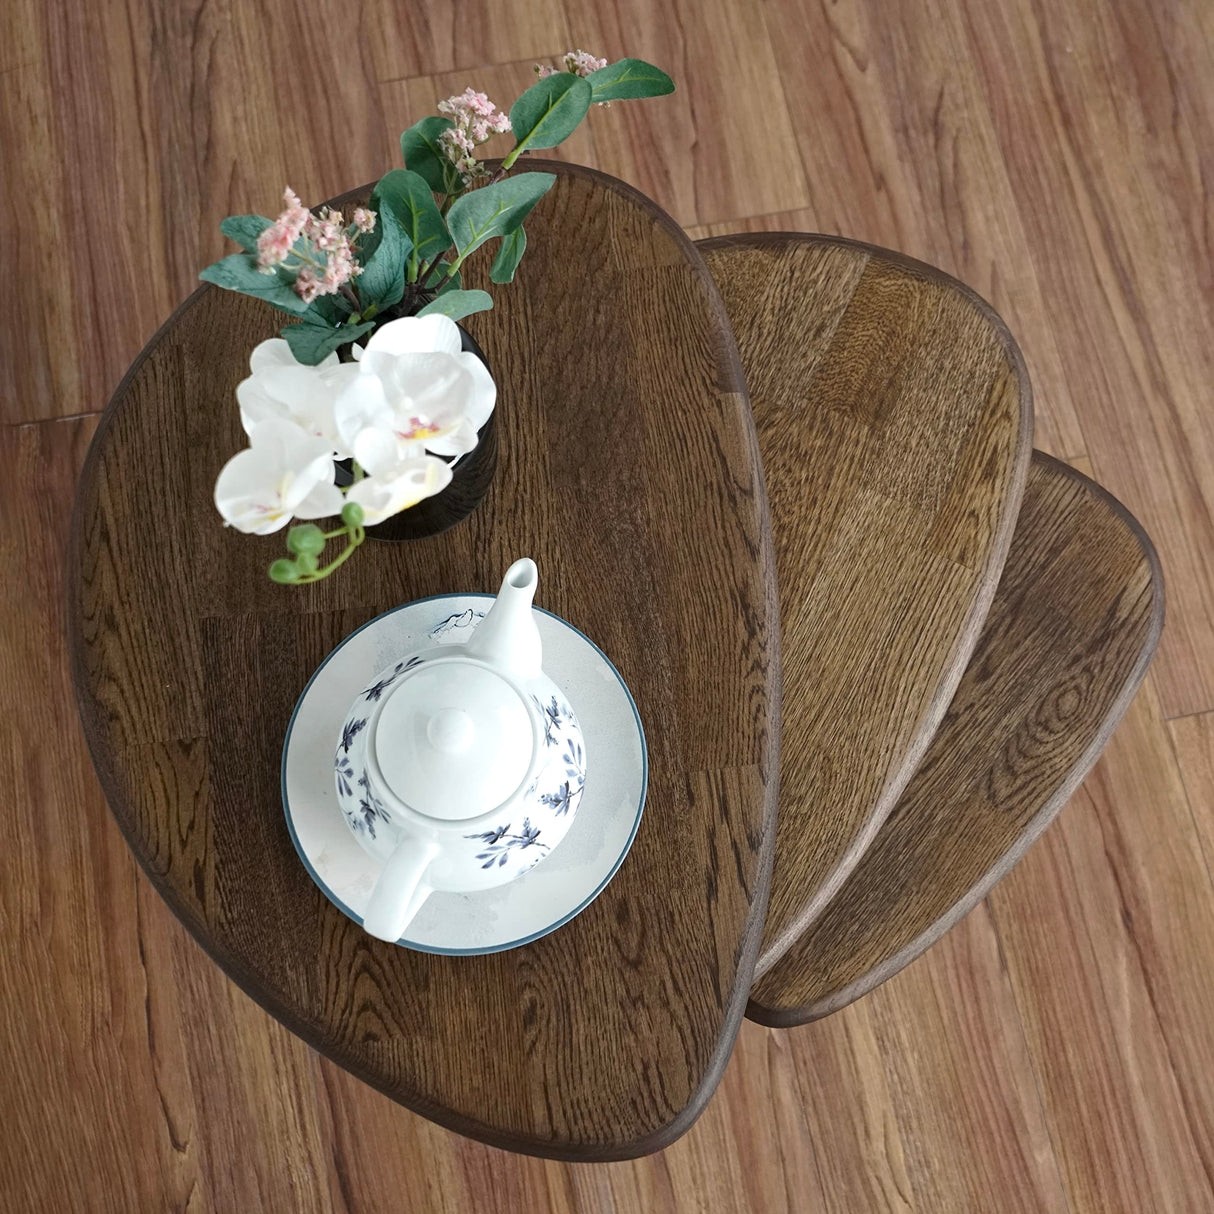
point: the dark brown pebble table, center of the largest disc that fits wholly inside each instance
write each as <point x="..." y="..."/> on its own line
<point x="628" y="469"/>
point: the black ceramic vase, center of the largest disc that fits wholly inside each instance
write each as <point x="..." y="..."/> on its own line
<point x="470" y="480"/>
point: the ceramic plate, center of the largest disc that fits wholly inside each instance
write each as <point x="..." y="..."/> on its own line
<point x="546" y="897"/>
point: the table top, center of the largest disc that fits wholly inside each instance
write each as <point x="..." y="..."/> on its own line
<point x="1066" y="644"/>
<point x="895" y="422"/>
<point x="628" y="468"/>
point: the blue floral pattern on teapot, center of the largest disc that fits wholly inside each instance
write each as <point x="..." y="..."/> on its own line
<point x="522" y="838"/>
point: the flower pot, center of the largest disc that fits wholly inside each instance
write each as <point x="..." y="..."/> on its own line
<point x="470" y="479"/>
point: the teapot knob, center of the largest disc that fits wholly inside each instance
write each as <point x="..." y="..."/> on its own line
<point x="450" y="730"/>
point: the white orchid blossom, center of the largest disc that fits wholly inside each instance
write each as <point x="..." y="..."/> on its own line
<point x="397" y="486"/>
<point x="279" y="386"/>
<point x="284" y="472"/>
<point x="410" y="404"/>
<point x="416" y="390"/>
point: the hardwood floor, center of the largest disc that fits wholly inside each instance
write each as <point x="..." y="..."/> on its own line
<point x="1056" y="1050"/>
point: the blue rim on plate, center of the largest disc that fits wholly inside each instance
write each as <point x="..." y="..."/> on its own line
<point x="496" y="948"/>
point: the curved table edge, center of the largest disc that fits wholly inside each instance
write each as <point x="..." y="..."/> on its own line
<point x="790" y="1017"/>
<point x="967" y="636"/>
<point x="733" y="382"/>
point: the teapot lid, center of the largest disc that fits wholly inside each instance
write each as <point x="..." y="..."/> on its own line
<point x="455" y="739"/>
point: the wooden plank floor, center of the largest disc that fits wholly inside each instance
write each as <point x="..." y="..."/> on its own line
<point x="1056" y="1050"/>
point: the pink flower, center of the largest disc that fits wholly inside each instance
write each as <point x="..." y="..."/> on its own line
<point x="308" y="286"/>
<point x="476" y="120"/>
<point x="296" y="214"/>
<point x="328" y="232"/>
<point x="582" y="63"/>
<point x="340" y="265"/>
<point x="321" y="247"/>
<point x="577" y="63"/>
<point x="338" y="271"/>
<point x="274" y="245"/>
<point x="457" y="141"/>
<point x="467" y="105"/>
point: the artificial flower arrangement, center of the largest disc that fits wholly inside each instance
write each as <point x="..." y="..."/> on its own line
<point x="403" y="406"/>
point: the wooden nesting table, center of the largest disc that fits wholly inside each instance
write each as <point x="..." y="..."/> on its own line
<point x="628" y="469"/>
<point x="894" y="419"/>
<point x="1064" y="647"/>
<point x="875" y="863"/>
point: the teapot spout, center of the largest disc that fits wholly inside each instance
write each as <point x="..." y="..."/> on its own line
<point x="507" y="638"/>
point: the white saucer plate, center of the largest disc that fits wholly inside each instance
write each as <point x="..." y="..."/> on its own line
<point x="541" y="900"/>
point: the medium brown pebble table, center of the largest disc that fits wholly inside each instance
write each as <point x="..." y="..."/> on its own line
<point x="895" y="422"/>
<point x="1076" y="617"/>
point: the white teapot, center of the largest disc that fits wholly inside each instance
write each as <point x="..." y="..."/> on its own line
<point x="461" y="766"/>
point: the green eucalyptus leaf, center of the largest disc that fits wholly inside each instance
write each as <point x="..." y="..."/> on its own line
<point x="508" y="256"/>
<point x="628" y="79"/>
<point x="448" y="283"/>
<point x="329" y="309"/>
<point x="495" y="210"/>
<point x="245" y="229"/>
<point x="458" y="304"/>
<point x="239" y="272"/>
<point x="408" y="197"/>
<point x="549" y="111"/>
<point x="312" y="341"/>
<point x="382" y="281"/>
<point x="423" y="154"/>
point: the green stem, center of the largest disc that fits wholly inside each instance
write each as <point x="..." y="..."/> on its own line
<point x="356" y="537"/>
<point x="295" y="252"/>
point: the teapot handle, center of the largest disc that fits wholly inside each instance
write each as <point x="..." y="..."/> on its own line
<point x="400" y="891"/>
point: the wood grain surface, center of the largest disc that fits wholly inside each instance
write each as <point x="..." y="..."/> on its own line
<point x="628" y="468"/>
<point x="895" y="420"/>
<point x="1066" y="644"/>
<point x="167" y="1087"/>
<point x="1055" y="157"/>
